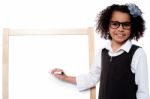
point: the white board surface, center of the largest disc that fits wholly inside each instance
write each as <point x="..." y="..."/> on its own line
<point x="32" y="57"/>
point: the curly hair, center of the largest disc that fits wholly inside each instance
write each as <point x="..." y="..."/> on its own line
<point x="103" y="20"/>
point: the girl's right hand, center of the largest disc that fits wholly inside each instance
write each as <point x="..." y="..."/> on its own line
<point x="59" y="73"/>
<point x="63" y="76"/>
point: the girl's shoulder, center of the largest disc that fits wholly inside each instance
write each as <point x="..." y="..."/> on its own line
<point x="140" y="52"/>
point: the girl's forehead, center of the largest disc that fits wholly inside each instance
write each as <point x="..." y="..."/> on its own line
<point x="120" y="16"/>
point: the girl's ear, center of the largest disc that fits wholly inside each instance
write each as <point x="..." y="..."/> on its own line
<point x="108" y="35"/>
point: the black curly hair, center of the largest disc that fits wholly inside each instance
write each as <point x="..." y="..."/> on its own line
<point x="103" y="20"/>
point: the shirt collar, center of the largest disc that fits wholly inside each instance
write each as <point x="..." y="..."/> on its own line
<point x="125" y="47"/>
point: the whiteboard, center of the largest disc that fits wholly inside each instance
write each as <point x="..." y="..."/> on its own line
<point x="31" y="57"/>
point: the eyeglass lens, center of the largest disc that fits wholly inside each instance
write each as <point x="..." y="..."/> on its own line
<point x="116" y="24"/>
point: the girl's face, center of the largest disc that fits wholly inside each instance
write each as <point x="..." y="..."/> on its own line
<point x="120" y="27"/>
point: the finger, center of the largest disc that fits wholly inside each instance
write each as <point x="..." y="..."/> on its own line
<point x="56" y="70"/>
<point x="58" y="73"/>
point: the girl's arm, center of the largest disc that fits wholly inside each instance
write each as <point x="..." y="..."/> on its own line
<point x="59" y="73"/>
<point x="140" y="67"/>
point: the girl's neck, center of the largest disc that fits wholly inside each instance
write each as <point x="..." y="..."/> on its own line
<point x="115" y="46"/>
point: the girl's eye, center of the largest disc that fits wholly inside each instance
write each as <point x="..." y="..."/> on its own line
<point x="127" y="24"/>
<point x="114" y="24"/>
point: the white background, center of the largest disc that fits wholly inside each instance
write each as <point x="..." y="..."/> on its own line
<point x="62" y="14"/>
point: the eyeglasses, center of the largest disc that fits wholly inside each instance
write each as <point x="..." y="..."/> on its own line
<point x="116" y="24"/>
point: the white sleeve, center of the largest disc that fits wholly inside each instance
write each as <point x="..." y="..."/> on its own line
<point x="140" y="68"/>
<point x="89" y="80"/>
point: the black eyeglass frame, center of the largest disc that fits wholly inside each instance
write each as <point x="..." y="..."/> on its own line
<point x="116" y="24"/>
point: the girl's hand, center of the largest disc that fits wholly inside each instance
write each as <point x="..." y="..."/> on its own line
<point x="59" y="73"/>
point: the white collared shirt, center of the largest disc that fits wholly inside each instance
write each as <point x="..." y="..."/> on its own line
<point x="138" y="66"/>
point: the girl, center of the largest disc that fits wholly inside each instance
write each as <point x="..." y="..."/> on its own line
<point x="120" y="66"/>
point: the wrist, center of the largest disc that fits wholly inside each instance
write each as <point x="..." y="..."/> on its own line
<point x="70" y="79"/>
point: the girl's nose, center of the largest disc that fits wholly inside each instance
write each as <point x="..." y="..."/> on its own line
<point x="120" y="27"/>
